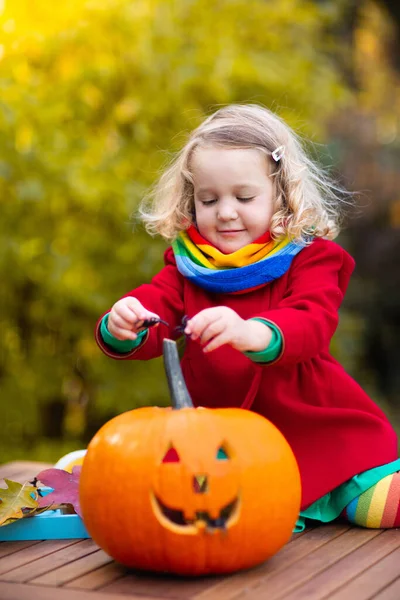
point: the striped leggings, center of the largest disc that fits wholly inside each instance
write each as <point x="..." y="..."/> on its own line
<point x="378" y="507"/>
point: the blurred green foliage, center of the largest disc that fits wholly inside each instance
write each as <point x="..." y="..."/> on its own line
<point x="94" y="96"/>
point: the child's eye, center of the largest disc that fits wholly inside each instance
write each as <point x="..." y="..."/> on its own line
<point x="208" y="202"/>
<point x="245" y="199"/>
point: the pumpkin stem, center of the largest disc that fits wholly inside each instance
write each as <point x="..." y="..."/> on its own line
<point x="176" y="383"/>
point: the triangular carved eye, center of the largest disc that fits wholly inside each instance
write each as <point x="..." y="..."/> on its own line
<point x="222" y="454"/>
<point x="171" y="456"/>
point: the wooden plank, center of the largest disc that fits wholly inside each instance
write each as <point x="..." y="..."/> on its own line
<point x="22" y="470"/>
<point x="12" y="472"/>
<point x="281" y="562"/>
<point x="216" y="587"/>
<point x="347" y="568"/>
<point x="7" y="472"/>
<point x="279" y="584"/>
<point x="297" y="536"/>
<point x="113" y="571"/>
<point x="372" y="581"/>
<point x="71" y="570"/>
<point x="20" y="591"/>
<point x="7" y="548"/>
<point x="334" y="561"/>
<point x="44" y="557"/>
<point x="98" y="578"/>
<point x="28" y="473"/>
<point x="165" y="586"/>
<point x="24" y="464"/>
<point x="392" y="592"/>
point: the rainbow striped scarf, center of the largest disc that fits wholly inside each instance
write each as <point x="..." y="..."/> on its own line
<point x="250" y="267"/>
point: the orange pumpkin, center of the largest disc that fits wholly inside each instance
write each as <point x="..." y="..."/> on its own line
<point x="189" y="491"/>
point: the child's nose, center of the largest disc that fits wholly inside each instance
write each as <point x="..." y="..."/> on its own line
<point x="227" y="212"/>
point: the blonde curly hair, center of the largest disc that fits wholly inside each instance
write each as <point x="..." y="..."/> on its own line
<point x="307" y="202"/>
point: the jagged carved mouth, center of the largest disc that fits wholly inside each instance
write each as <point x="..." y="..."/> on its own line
<point x="202" y="519"/>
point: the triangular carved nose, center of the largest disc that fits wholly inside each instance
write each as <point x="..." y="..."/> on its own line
<point x="200" y="484"/>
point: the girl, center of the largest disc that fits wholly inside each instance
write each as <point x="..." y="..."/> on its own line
<point x="250" y="219"/>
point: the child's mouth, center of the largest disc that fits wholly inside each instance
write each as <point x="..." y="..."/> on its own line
<point x="230" y="232"/>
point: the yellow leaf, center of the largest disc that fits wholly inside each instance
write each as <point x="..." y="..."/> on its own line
<point x="126" y="110"/>
<point x="24" y="138"/>
<point x="14" y="499"/>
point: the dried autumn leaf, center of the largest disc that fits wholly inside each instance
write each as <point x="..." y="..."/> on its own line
<point x="14" y="499"/>
<point x="65" y="486"/>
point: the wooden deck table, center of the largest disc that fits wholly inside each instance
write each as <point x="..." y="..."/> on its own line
<point x="333" y="561"/>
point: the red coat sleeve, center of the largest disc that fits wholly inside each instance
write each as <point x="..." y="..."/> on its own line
<point x="307" y="316"/>
<point x="164" y="296"/>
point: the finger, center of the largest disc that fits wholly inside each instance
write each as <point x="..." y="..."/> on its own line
<point x="128" y="314"/>
<point x="146" y="323"/>
<point x="216" y="342"/>
<point x="135" y="306"/>
<point x="117" y="321"/>
<point x="122" y="334"/>
<point x="199" y="320"/>
<point x="196" y="326"/>
<point x="212" y="330"/>
<point x="133" y="311"/>
<point x="149" y="316"/>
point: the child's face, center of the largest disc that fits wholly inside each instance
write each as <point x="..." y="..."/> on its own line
<point x="233" y="196"/>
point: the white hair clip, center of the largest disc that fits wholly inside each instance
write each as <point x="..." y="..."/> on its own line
<point x="278" y="153"/>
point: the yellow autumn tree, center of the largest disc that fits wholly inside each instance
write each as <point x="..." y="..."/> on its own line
<point x="95" y="95"/>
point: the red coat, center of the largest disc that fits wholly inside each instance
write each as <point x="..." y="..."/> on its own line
<point x="333" y="427"/>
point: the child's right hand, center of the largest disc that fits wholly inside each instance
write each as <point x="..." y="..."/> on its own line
<point x="126" y="318"/>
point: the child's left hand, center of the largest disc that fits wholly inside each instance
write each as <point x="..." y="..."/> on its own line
<point x="220" y="325"/>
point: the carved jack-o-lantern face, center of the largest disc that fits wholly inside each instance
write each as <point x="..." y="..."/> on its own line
<point x="190" y="491"/>
<point x="191" y="501"/>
